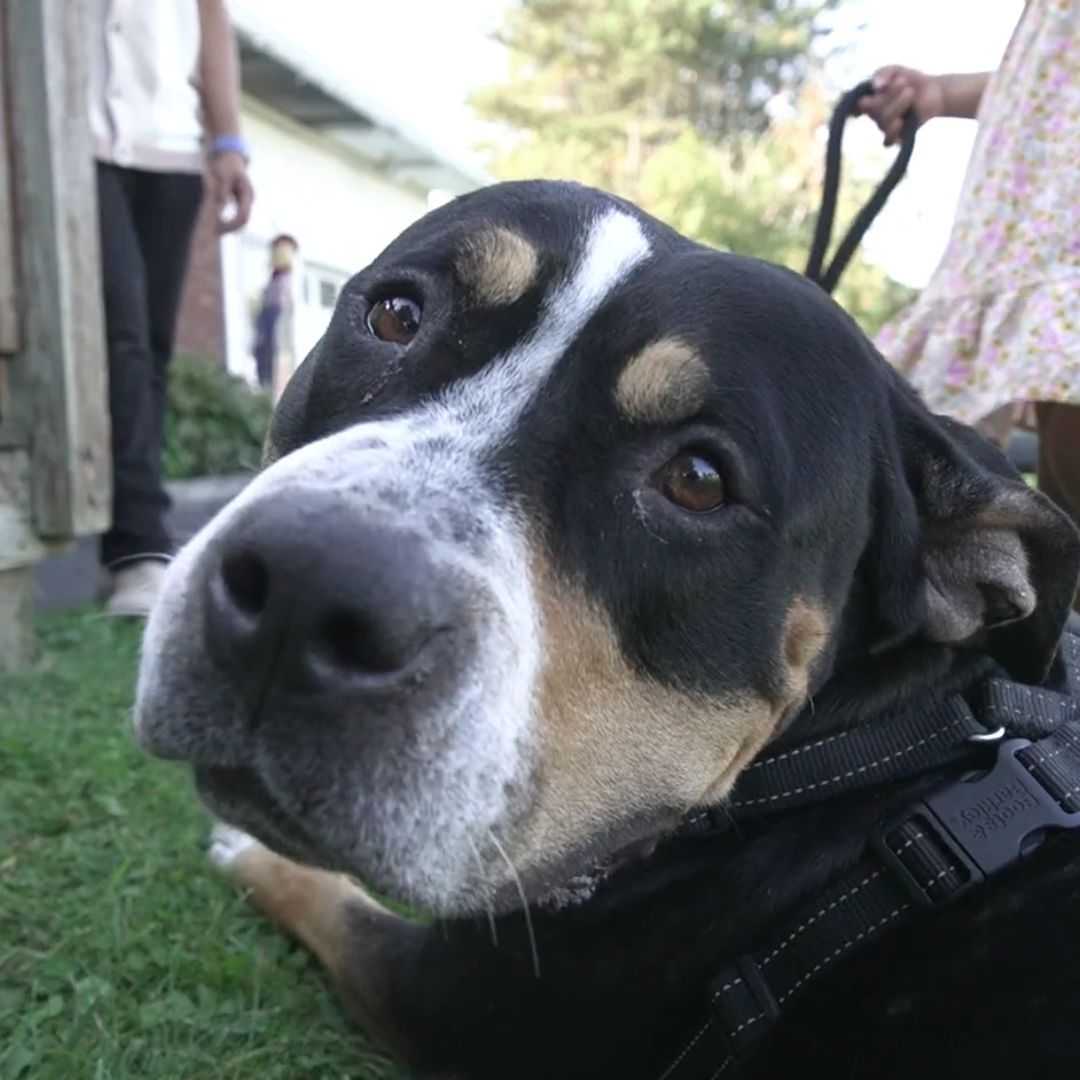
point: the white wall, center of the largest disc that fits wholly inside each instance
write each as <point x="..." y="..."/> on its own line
<point x="341" y="212"/>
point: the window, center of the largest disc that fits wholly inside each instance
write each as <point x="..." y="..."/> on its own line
<point x="328" y="292"/>
<point x="322" y="286"/>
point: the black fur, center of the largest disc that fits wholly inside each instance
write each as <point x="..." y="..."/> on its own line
<point x="840" y="483"/>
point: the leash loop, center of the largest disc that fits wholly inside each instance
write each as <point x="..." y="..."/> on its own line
<point x="828" y="276"/>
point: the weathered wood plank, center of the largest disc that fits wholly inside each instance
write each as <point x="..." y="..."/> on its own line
<point x="17" y="642"/>
<point x="19" y="543"/>
<point x="12" y="433"/>
<point x="58" y="380"/>
<point x="9" y="310"/>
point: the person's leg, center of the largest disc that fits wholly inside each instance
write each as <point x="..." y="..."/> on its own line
<point x="266" y="344"/>
<point x="997" y="426"/>
<point x="165" y="214"/>
<point x="136" y="520"/>
<point x="1059" y="458"/>
<point x="1059" y="454"/>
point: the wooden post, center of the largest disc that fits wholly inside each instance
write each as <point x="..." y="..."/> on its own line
<point x="59" y="377"/>
<point x="54" y="427"/>
<point x="9" y="311"/>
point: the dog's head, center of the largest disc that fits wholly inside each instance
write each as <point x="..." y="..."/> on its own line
<point x="563" y="520"/>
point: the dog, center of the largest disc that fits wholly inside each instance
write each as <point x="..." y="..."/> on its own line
<point x="565" y="523"/>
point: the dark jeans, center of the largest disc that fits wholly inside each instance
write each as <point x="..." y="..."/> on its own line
<point x="147" y="219"/>
<point x="266" y="343"/>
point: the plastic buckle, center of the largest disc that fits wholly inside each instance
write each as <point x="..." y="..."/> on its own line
<point x="986" y="822"/>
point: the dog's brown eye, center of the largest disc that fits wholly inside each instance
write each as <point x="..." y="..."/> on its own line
<point x="692" y="482"/>
<point x="395" y="320"/>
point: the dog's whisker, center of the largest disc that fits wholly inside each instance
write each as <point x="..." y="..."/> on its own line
<point x="731" y="817"/>
<point x="154" y="556"/>
<point x="264" y="687"/>
<point x="487" y="893"/>
<point x="732" y="822"/>
<point x="524" y="903"/>
<point x="643" y="519"/>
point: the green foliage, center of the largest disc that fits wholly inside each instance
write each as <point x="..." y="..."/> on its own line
<point x="700" y="112"/>
<point x="605" y="82"/>
<point x="214" y="423"/>
<point x="758" y="195"/>
<point x="123" y="954"/>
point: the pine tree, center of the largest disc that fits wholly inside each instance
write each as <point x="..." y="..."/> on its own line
<point x="702" y="112"/>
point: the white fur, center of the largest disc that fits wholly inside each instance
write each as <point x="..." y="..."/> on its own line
<point x="228" y="844"/>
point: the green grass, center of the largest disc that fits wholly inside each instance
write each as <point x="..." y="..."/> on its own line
<point x="121" y="953"/>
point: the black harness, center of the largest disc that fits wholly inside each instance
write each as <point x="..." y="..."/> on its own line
<point x="1015" y="753"/>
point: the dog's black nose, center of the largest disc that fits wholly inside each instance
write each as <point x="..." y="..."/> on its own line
<point x="307" y="592"/>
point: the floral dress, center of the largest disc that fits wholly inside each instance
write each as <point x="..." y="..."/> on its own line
<point x="999" y="322"/>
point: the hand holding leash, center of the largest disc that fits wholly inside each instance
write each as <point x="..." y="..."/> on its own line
<point x="895" y="90"/>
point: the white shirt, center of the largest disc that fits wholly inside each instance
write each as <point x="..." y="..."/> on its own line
<point x="145" y="109"/>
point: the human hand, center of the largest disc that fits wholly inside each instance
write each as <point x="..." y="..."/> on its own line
<point x="229" y="182"/>
<point x="897" y="89"/>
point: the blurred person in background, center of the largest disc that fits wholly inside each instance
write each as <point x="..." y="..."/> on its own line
<point x="276" y="299"/>
<point x="998" y="325"/>
<point x="164" y="112"/>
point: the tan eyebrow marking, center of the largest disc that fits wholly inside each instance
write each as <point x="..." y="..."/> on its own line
<point x="497" y="265"/>
<point x="664" y="383"/>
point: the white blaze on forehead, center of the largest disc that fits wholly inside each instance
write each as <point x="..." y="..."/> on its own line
<point x="614" y="245"/>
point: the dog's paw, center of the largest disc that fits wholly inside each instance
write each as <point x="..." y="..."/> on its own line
<point x="227" y="845"/>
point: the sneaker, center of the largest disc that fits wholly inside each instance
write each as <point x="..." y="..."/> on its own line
<point x="135" y="588"/>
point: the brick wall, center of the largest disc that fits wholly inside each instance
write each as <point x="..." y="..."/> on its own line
<point x="200" y="327"/>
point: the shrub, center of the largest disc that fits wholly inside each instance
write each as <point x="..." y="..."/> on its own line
<point x="214" y="422"/>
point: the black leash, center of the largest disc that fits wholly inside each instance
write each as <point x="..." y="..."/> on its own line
<point x="935" y="850"/>
<point x="828" y="276"/>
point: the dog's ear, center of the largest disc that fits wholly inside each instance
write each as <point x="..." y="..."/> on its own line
<point x="290" y="413"/>
<point x="970" y="553"/>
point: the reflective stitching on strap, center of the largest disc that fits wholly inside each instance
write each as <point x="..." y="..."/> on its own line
<point x="998" y="708"/>
<point x="722" y="1069"/>
<point x="843" y="898"/>
<point x="836" y="953"/>
<point x="802" y="749"/>
<point x="1038" y="756"/>
<point x="687" y="1048"/>
<point x="704" y="1027"/>
<point x="841" y="949"/>
<point x="851" y="772"/>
